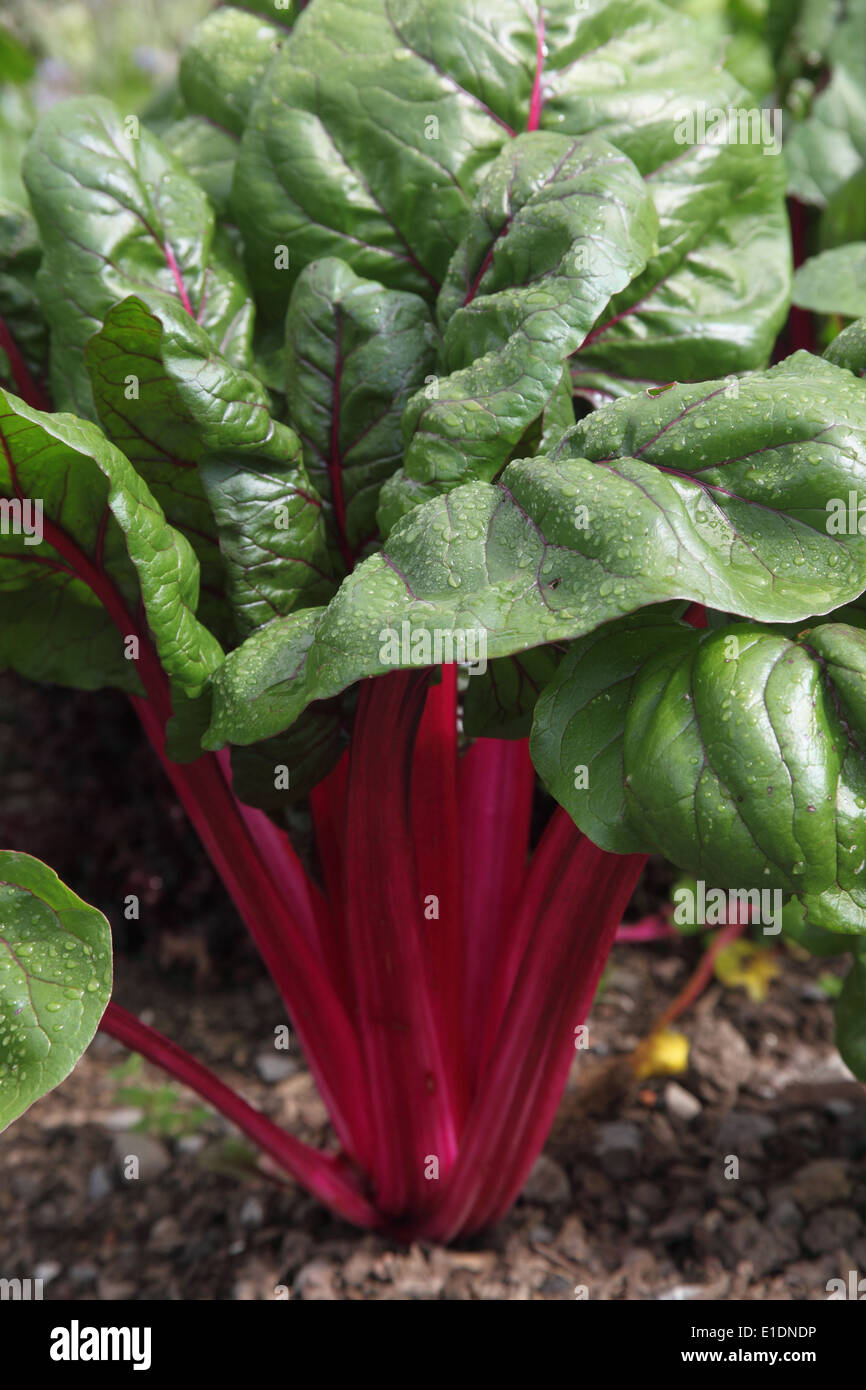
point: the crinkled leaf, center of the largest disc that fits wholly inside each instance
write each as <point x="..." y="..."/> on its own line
<point x="355" y="353"/>
<point x="738" y="753"/>
<point x="119" y="216"/>
<point x="262" y="679"/>
<point x="834" y="282"/>
<point x="199" y="402"/>
<point x="66" y="599"/>
<point x="271" y="531"/>
<point x="371" y="149"/>
<point x="55" y="980"/>
<point x="140" y="407"/>
<point x="201" y="434"/>
<point x="716" y="295"/>
<point x="558" y="226"/>
<point x="699" y="493"/>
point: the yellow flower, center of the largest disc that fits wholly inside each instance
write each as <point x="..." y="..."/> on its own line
<point x="665" y="1053"/>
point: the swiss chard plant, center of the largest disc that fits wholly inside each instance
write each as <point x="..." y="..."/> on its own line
<point x="399" y="387"/>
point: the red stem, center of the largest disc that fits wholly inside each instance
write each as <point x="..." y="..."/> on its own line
<point x="328" y="807"/>
<point x="652" y="928"/>
<point x="318" y="1014"/>
<point x="178" y="278"/>
<point x="801" y="322"/>
<point x="436" y="831"/>
<point x="320" y="1020"/>
<point x="25" y="386"/>
<point x="496" y="785"/>
<point x="303" y="897"/>
<point x="697" y="982"/>
<point x="325" y="1175"/>
<point x="536" y="100"/>
<point x="534" y="1048"/>
<point x="412" y="1110"/>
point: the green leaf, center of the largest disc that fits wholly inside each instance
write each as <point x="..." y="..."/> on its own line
<point x="144" y="413"/>
<point x="208" y="154"/>
<point x="355" y="352"/>
<point x="371" y="151"/>
<point x="703" y="307"/>
<point x="281" y="12"/>
<point x="826" y="148"/>
<point x="260" y="689"/>
<point x="300" y="758"/>
<point x="816" y="940"/>
<point x="844" y="218"/>
<point x="834" y="282"/>
<point x="118" y="216"/>
<point x="850" y="1014"/>
<point x="223" y="64"/>
<point x="500" y="701"/>
<point x="558" y="226"/>
<point x="201" y="434"/>
<point x="737" y="753"/>
<point x="67" y="594"/>
<point x="17" y="63"/>
<point x="849" y="348"/>
<point x="17" y="119"/>
<point x="272" y="533"/>
<point x="716" y="494"/>
<point x="20" y="254"/>
<point x="55" y="980"/>
<point x="191" y="399"/>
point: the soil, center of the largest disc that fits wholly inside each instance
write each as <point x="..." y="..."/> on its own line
<point x="635" y="1197"/>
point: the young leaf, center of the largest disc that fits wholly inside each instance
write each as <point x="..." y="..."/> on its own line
<point x="700" y="309"/>
<point x="118" y="216"/>
<point x="55" y="980"/>
<point x="167" y="397"/>
<point x="143" y="412"/>
<point x="347" y="143"/>
<point x="557" y="227"/>
<point x="355" y="353"/>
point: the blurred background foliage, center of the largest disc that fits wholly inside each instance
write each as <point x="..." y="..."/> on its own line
<point x="52" y="49"/>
